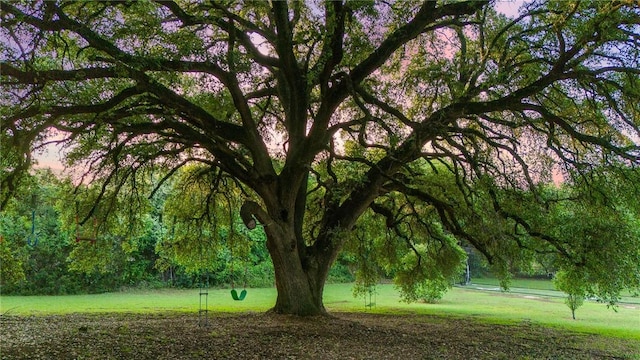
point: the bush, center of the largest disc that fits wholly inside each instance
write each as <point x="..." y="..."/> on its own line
<point x="261" y="275"/>
<point x="340" y="274"/>
<point x="430" y="291"/>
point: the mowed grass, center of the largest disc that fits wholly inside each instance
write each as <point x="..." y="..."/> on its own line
<point x="492" y="307"/>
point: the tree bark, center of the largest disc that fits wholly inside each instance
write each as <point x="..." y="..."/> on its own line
<point x="299" y="280"/>
<point x="300" y="274"/>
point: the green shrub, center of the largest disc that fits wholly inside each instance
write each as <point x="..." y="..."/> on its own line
<point x="340" y="274"/>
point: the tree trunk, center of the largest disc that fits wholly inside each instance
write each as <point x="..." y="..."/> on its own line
<point x="300" y="270"/>
<point x="299" y="280"/>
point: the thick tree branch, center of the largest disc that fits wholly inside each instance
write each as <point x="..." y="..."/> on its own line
<point x="251" y="209"/>
<point x="427" y="14"/>
<point x="630" y="152"/>
<point x="42" y="76"/>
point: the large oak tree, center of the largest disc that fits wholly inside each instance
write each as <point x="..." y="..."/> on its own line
<point x="436" y="118"/>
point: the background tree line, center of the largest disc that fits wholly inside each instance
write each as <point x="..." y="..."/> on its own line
<point x="46" y="249"/>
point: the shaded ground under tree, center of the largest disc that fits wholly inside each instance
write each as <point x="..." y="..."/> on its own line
<point x="268" y="336"/>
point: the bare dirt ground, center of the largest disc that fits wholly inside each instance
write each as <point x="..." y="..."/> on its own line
<point x="269" y="336"/>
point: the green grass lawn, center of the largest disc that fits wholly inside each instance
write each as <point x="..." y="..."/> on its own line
<point x="494" y="307"/>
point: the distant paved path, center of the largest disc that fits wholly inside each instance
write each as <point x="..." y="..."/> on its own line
<point x="535" y="292"/>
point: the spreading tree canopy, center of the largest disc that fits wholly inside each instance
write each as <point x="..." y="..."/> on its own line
<point x="440" y="120"/>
